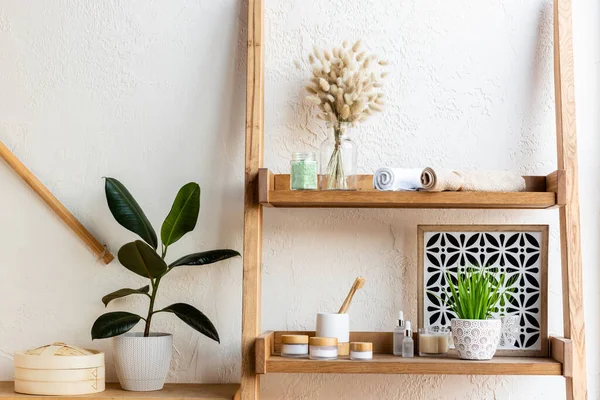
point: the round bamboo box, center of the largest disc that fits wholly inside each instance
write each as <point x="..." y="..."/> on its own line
<point x="59" y="369"/>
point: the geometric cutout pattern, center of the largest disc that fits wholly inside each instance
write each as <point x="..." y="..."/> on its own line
<point x="518" y="255"/>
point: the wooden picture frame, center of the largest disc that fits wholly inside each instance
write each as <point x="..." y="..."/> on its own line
<point x="541" y="303"/>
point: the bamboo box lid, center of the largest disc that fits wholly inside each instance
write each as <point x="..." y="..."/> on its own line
<point x="59" y="356"/>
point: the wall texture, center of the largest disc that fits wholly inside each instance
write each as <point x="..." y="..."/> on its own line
<point x="153" y="93"/>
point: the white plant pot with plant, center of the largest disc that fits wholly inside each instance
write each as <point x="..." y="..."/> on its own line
<point x="473" y="299"/>
<point x="346" y="87"/>
<point x="143" y="359"/>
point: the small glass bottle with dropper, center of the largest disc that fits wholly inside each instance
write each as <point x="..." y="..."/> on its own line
<point x="399" y="335"/>
<point x="408" y="345"/>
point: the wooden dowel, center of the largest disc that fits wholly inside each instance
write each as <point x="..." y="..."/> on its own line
<point x="56" y="206"/>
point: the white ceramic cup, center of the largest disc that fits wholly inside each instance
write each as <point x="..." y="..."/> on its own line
<point x="334" y="325"/>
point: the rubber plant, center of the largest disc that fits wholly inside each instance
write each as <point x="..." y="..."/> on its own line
<point x="147" y="260"/>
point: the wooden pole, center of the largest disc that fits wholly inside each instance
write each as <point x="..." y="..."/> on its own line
<point x="570" y="236"/>
<point x="253" y="217"/>
<point x="56" y="206"/>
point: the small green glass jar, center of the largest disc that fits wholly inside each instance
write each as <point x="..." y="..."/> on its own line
<point x="304" y="169"/>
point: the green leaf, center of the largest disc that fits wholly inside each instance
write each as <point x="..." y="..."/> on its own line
<point x="194" y="318"/>
<point x="140" y="258"/>
<point x="183" y="215"/>
<point x="124" y="292"/>
<point x="206" y="257"/>
<point x="128" y="212"/>
<point x="114" y="324"/>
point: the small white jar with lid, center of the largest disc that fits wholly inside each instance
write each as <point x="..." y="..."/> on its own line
<point x="322" y="348"/>
<point x="361" y="351"/>
<point x="294" y="346"/>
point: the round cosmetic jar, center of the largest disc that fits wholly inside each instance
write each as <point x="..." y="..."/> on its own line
<point x="322" y="348"/>
<point x="294" y="346"/>
<point x="361" y="351"/>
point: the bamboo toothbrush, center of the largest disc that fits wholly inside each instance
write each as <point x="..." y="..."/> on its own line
<point x="358" y="283"/>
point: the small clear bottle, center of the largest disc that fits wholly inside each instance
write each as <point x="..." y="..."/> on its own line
<point x="399" y="335"/>
<point x="304" y="171"/>
<point x="322" y="348"/>
<point x="408" y="345"/>
<point x="294" y="346"/>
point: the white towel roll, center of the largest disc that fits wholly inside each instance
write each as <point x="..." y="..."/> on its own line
<point x="393" y="179"/>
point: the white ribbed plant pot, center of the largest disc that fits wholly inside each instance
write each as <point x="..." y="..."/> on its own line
<point x="142" y="363"/>
<point x="476" y="339"/>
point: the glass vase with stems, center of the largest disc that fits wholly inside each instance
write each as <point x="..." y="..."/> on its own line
<point x="338" y="160"/>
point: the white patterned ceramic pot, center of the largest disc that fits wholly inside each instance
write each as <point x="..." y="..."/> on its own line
<point x="142" y="363"/>
<point x="476" y="339"/>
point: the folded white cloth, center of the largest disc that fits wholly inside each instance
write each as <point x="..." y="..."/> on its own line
<point x="397" y="179"/>
<point x="438" y="180"/>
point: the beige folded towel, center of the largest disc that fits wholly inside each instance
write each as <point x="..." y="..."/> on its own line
<point x="438" y="180"/>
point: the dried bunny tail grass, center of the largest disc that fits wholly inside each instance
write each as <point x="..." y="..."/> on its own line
<point x="313" y="100"/>
<point x="324" y="84"/>
<point x="360" y="56"/>
<point x="356" y="46"/>
<point x="330" y="98"/>
<point x="311" y="59"/>
<point x="310" y="89"/>
<point x="375" y="107"/>
<point x="345" y="112"/>
<point x="327" y="55"/>
<point x="339" y="101"/>
<point x="297" y="64"/>
<point x="317" y="52"/>
<point x="384" y="62"/>
<point x="384" y="75"/>
<point x="345" y="44"/>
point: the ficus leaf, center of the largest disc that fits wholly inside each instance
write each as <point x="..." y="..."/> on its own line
<point x="128" y="212"/>
<point x="114" y="324"/>
<point x="124" y="292"/>
<point x="141" y="259"/>
<point x="183" y="215"/>
<point x="205" y="257"/>
<point x="194" y="318"/>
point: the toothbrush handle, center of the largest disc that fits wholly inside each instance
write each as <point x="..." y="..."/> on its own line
<point x="346" y="304"/>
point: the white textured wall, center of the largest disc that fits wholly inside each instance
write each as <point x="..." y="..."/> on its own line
<point x="153" y="93"/>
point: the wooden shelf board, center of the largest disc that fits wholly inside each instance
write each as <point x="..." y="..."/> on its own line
<point x="171" y="391"/>
<point x="268" y="359"/>
<point x="542" y="193"/>
<point x="389" y="364"/>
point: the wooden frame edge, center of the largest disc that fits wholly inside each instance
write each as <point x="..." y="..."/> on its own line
<point x="266" y="183"/>
<point x="265" y="346"/>
<point x="561" y="350"/>
<point x="557" y="182"/>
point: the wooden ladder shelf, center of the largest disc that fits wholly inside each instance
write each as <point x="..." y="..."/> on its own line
<point x="260" y="352"/>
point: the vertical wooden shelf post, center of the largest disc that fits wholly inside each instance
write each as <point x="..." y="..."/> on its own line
<point x="570" y="236"/>
<point x="253" y="217"/>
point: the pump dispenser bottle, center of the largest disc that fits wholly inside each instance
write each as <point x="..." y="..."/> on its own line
<point x="399" y="335"/>
<point x="408" y="345"/>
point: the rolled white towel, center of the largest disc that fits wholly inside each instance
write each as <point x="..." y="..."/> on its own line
<point x="438" y="180"/>
<point x="393" y="179"/>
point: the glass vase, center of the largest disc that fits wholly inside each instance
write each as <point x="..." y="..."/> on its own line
<point x="338" y="160"/>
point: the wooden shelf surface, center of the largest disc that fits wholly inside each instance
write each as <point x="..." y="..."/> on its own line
<point x="268" y="359"/>
<point x="542" y="192"/>
<point x="171" y="391"/>
<point x="390" y="364"/>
